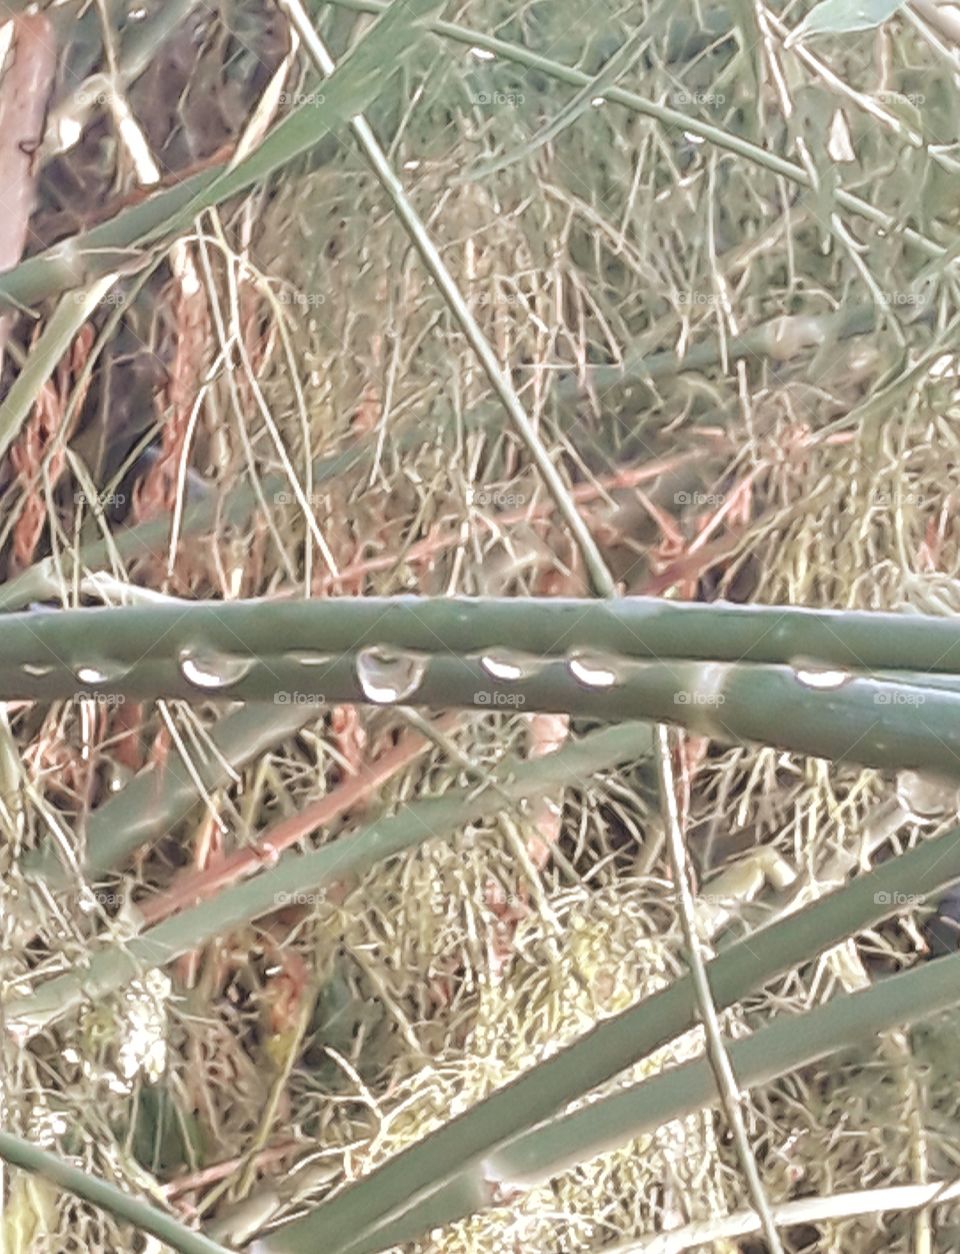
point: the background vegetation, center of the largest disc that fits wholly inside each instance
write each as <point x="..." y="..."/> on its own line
<point x="525" y="300"/>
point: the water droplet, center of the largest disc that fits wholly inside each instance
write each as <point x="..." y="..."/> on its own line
<point x="499" y="668"/>
<point x="823" y="679"/>
<point x="214" y="670"/>
<point x="386" y="676"/>
<point x="509" y="665"/>
<point x="309" y="659"/>
<point x="595" y="672"/>
<point x="101" y="672"/>
<point x="20" y="1031"/>
<point x="37" y="669"/>
<point x="91" y="675"/>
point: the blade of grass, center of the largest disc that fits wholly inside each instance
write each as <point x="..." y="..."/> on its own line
<point x="57" y="336"/>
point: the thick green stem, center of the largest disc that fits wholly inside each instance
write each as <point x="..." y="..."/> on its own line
<point x="451" y="1159"/>
<point x="787" y="1044"/>
<point x="577" y="657"/>
<point x="630" y="627"/>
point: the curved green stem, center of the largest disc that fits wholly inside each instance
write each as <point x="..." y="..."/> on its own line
<point x="102" y="1193"/>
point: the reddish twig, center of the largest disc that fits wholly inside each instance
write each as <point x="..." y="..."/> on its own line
<point x="192" y="887"/>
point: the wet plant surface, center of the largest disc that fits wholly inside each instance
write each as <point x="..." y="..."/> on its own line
<point x="714" y="269"/>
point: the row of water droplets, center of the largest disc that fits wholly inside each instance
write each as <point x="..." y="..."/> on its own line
<point x="387" y="675"/>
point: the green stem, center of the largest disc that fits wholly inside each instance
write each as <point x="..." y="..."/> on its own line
<point x="629" y="628"/>
<point x="732" y="1092"/>
<point x="420" y="237"/>
<point x="788" y="1043"/>
<point x="155" y="800"/>
<point x="101" y="1193"/>
<point x="610" y="1123"/>
<point x="310" y="653"/>
<point x="439" y="1175"/>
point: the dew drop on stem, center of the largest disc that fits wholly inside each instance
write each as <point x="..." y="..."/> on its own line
<point x="386" y="676"/>
<point x="594" y="671"/>
<point x="214" y="670"/>
<point x="827" y="680"/>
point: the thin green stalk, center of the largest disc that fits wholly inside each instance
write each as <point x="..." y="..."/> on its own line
<point x="420" y="238"/>
<point x="777" y="338"/>
<point x="59" y="333"/>
<point x="667" y="117"/>
<point x="144" y="1216"/>
<point x="848" y="1021"/>
<point x="731" y="1093"/>
<point x="435" y="818"/>
<point x="618" y="64"/>
<point x="439" y="1175"/>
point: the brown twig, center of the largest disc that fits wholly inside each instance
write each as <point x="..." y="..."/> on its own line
<point x="192" y="887"/>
